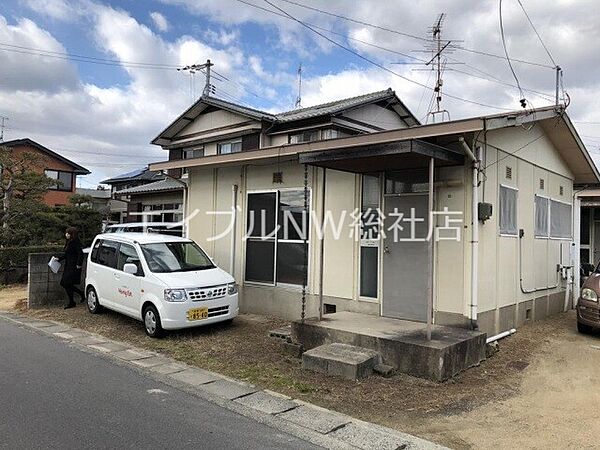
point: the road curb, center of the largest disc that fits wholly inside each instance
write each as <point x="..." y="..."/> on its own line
<point x="318" y="425"/>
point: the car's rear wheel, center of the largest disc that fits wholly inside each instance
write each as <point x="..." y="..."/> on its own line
<point x="152" y="323"/>
<point x="583" y="328"/>
<point x="93" y="304"/>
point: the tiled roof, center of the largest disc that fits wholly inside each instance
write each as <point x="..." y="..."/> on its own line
<point x="79" y="170"/>
<point x="168" y="184"/>
<point x="139" y="174"/>
<point x="333" y="107"/>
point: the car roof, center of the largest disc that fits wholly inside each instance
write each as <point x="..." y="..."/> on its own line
<point x="142" y="238"/>
<point x="148" y="224"/>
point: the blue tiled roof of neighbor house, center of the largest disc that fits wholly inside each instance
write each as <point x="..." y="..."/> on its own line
<point x="139" y="174"/>
<point x="168" y="184"/>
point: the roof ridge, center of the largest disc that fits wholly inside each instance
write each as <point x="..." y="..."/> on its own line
<point x="237" y="105"/>
<point x="333" y="102"/>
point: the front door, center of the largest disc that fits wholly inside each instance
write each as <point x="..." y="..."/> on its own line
<point x="405" y="257"/>
<point x="127" y="287"/>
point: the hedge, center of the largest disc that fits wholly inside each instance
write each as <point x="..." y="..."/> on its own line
<point x="13" y="257"/>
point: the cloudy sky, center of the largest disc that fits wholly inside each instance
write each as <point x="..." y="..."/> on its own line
<point x="97" y="80"/>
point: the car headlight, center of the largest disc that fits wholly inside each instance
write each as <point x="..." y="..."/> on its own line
<point x="175" y="295"/>
<point x="589" y="294"/>
<point x="232" y="288"/>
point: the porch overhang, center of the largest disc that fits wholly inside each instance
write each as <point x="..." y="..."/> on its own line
<point x="407" y="154"/>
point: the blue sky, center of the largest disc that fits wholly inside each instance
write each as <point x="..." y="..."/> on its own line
<point x="104" y="116"/>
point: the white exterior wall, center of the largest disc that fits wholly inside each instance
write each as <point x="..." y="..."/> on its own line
<point x="376" y="115"/>
<point x="502" y="304"/>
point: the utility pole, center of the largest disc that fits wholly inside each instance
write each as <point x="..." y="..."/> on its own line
<point x="299" y="98"/>
<point x="3" y="121"/>
<point x="192" y="69"/>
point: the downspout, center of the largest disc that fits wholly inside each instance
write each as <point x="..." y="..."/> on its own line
<point x="234" y="191"/>
<point x="474" y="233"/>
<point x="322" y="247"/>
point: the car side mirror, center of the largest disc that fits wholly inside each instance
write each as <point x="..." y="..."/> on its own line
<point x="130" y="268"/>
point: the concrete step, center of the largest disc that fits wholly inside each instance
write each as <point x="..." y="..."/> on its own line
<point x="342" y="360"/>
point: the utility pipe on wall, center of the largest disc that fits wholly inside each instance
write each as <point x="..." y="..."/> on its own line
<point x="474" y="232"/>
<point x="234" y="190"/>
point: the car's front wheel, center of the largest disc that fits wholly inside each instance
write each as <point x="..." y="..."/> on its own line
<point x="152" y="323"/>
<point x="584" y="329"/>
<point x="93" y="304"/>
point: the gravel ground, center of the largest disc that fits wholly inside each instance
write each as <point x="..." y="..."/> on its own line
<point x="532" y="394"/>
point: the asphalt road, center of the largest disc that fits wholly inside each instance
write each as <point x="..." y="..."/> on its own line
<point x="54" y="396"/>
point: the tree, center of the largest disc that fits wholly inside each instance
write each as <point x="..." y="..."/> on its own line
<point x="21" y="185"/>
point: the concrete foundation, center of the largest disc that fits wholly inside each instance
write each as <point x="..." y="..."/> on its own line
<point x="341" y="360"/>
<point x="402" y="344"/>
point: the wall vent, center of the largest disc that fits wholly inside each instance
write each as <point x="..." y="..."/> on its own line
<point x="561" y="190"/>
<point x="508" y="173"/>
<point x="542" y="184"/>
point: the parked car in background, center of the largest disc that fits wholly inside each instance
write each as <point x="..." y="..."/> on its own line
<point x="173" y="229"/>
<point x="167" y="282"/>
<point x="588" y="311"/>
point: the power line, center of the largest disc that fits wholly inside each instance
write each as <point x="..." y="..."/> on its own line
<point x="401" y="33"/>
<point x="536" y="32"/>
<point x="82" y="58"/>
<point x="376" y="64"/>
<point x="523" y="102"/>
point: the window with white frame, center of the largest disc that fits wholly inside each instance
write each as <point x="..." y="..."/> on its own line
<point x="304" y="136"/>
<point x="508" y="210"/>
<point x="560" y="219"/>
<point x="190" y="153"/>
<point x="224" y="148"/>
<point x="275" y="230"/>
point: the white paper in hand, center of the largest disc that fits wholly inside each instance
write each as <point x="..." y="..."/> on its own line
<point x="54" y="264"/>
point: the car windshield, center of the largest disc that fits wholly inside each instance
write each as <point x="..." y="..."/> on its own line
<point x="164" y="257"/>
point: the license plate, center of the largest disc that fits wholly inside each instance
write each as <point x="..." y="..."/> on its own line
<point x="197" y="314"/>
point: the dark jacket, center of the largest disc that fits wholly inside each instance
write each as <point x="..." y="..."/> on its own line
<point x="72" y="259"/>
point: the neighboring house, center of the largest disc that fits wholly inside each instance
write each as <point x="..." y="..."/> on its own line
<point x="101" y="199"/>
<point x="120" y="205"/>
<point x="55" y="166"/>
<point x="160" y="201"/>
<point x="369" y="155"/>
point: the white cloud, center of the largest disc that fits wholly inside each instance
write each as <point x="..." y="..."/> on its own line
<point x="222" y="36"/>
<point x="57" y="9"/>
<point x="160" y="21"/>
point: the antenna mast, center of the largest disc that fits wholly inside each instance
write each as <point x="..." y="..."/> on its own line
<point x="3" y="121"/>
<point x="439" y="64"/>
<point x="208" y="88"/>
<point x="299" y="98"/>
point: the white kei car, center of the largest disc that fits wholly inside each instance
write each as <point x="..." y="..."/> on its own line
<point x="167" y="282"/>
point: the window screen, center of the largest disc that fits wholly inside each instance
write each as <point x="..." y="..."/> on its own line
<point x="541" y="216"/>
<point x="508" y="210"/>
<point x="560" y="219"/>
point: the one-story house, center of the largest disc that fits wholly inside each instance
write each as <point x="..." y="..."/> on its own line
<point x="494" y="193"/>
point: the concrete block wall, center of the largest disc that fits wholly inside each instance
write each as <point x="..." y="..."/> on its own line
<point x="43" y="286"/>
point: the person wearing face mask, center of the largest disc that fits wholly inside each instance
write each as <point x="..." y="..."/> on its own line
<point x="72" y="258"/>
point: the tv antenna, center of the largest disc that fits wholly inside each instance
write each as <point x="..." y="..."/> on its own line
<point x="192" y="69"/>
<point x="3" y="121"/>
<point x="299" y="98"/>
